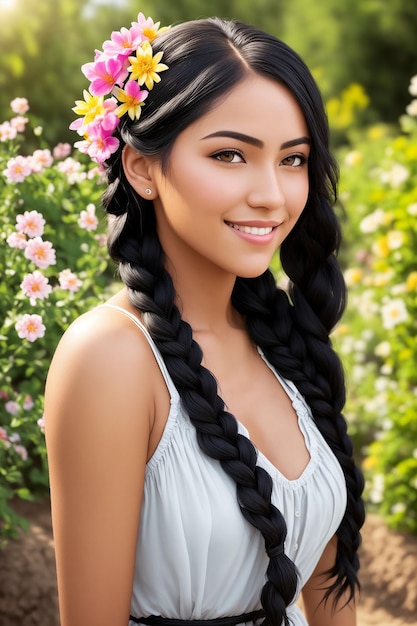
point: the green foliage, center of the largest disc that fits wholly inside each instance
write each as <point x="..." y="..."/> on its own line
<point x="58" y="190"/>
<point x="378" y="340"/>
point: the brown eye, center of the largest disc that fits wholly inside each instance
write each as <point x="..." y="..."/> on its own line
<point x="294" y="160"/>
<point x="229" y="156"/>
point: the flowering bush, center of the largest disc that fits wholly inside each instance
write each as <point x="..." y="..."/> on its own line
<point x="53" y="263"/>
<point x="378" y="340"/>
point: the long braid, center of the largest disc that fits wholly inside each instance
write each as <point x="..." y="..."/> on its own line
<point x="296" y="343"/>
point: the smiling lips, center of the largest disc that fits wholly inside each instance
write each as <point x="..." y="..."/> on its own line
<point x="252" y="230"/>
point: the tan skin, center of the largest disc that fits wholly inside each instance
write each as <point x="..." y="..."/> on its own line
<point x="104" y="422"/>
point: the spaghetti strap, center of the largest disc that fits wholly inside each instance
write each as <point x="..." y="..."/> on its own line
<point x="168" y="380"/>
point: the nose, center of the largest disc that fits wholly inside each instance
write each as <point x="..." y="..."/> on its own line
<point x="265" y="190"/>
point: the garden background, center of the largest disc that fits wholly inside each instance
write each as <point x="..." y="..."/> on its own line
<point x="54" y="265"/>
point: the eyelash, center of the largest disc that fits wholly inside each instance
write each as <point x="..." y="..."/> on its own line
<point x="302" y="159"/>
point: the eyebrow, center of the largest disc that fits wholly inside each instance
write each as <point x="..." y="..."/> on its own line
<point x="256" y="142"/>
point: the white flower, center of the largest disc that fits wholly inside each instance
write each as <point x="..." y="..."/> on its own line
<point x="377" y="490"/>
<point x="413" y="86"/>
<point x="395" y="239"/>
<point x="412" y="208"/>
<point x="411" y="109"/>
<point x="399" y="507"/>
<point x="372" y="222"/>
<point x="395" y="176"/>
<point x="383" y="349"/>
<point x="393" y="312"/>
<point x="353" y="158"/>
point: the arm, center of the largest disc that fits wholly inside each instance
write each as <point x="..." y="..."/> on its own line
<point x="98" y="414"/>
<point x="319" y="613"/>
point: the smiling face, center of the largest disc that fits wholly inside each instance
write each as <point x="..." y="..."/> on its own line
<point x="237" y="182"/>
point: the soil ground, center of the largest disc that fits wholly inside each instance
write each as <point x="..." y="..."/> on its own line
<point x="28" y="585"/>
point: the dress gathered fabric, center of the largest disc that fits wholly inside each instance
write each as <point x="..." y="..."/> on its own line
<point x="197" y="558"/>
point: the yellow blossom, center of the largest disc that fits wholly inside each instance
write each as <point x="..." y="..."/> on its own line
<point x="145" y="66"/>
<point x="353" y="276"/>
<point x="380" y="247"/>
<point x="411" y="282"/>
<point x="90" y="107"/>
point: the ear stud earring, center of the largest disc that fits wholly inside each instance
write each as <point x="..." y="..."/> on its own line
<point x="148" y="191"/>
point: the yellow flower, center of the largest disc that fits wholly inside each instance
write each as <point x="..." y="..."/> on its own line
<point x="353" y="276"/>
<point x="380" y="247"/>
<point x="411" y="282"/>
<point x="90" y="107"/>
<point x="152" y="31"/>
<point x="145" y="66"/>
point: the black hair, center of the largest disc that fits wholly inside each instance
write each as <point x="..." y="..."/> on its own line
<point x="206" y="59"/>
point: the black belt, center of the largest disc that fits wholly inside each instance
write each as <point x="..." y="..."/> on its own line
<point x="157" y="620"/>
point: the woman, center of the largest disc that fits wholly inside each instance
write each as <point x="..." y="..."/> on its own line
<point x="199" y="462"/>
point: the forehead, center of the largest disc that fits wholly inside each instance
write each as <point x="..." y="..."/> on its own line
<point x="257" y="106"/>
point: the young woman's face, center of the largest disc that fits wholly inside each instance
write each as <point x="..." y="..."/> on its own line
<point x="237" y="182"/>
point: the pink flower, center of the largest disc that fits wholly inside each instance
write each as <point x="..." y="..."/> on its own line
<point x="18" y="168"/>
<point x="88" y="219"/>
<point x="30" y="327"/>
<point x="41" y="423"/>
<point x="40" y="160"/>
<point x="61" y="150"/>
<point x="100" y="143"/>
<point x="69" y="166"/>
<point x="69" y="281"/>
<point x="19" y="123"/>
<point x="28" y="402"/>
<point x="40" y="252"/>
<point x="30" y="223"/>
<point x="7" y="132"/>
<point x="19" y="106"/>
<point x="3" y="434"/>
<point x="36" y="286"/>
<point x="17" y="240"/>
<point x="123" y="42"/>
<point x="104" y="74"/>
<point x="21" y="451"/>
<point x="12" y="407"/>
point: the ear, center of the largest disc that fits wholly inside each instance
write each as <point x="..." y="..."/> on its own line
<point x="137" y="168"/>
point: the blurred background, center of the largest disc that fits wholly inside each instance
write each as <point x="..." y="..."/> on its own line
<point x="368" y="42"/>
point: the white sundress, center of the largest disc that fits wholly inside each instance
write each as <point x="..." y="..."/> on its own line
<point x="197" y="558"/>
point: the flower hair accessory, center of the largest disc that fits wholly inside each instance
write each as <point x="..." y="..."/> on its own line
<point x="119" y="71"/>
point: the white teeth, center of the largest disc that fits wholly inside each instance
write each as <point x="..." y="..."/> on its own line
<point x="253" y="230"/>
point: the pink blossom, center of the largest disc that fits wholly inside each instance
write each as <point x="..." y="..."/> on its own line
<point x="69" y="166"/>
<point x="28" y="402"/>
<point x="100" y="144"/>
<point x="123" y="42"/>
<point x="30" y="327"/>
<point x="12" y="407"/>
<point x="7" y="132"/>
<point x="21" y="451"/>
<point x="40" y="252"/>
<point x="36" y="286"/>
<point x="69" y="281"/>
<point x="4" y="395"/>
<point x="17" y="240"/>
<point x="88" y="219"/>
<point x="18" y="168"/>
<point x="105" y="74"/>
<point x="30" y="223"/>
<point x="19" y="106"/>
<point x="19" y="123"/>
<point x="14" y="438"/>
<point x="61" y="150"/>
<point x="3" y="434"/>
<point x="41" y="423"/>
<point x="40" y="160"/>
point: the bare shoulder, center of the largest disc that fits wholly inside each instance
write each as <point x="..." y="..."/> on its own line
<point x="103" y="366"/>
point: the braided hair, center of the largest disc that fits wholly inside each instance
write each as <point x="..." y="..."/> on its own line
<point x="206" y="59"/>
